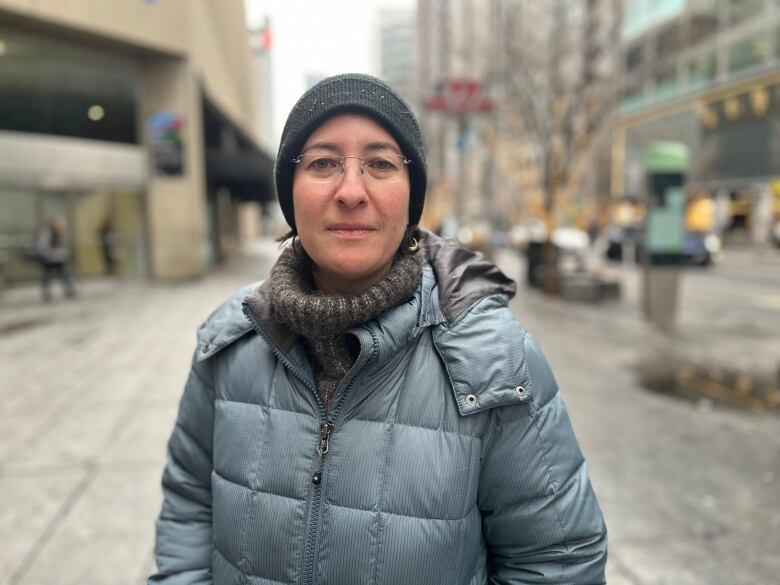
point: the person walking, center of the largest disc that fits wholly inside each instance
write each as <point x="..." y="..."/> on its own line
<point x="372" y="412"/>
<point x="108" y="239"/>
<point x="54" y="257"/>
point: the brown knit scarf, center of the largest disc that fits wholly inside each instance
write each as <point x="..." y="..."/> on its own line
<point x="321" y="319"/>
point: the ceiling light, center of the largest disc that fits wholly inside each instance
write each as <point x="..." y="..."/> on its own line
<point x="96" y="113"/>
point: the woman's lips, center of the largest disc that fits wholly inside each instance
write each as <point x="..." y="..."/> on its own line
<point x="351" y="232"/>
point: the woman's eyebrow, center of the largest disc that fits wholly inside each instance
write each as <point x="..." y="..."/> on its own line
<point x="370" y="147"/>
<point x="322" y="146"/>
<point x="375" y="146"/>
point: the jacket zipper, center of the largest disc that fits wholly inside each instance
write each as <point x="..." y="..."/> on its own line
<point x="323" y="445"/>
<point x="326" y="428"/>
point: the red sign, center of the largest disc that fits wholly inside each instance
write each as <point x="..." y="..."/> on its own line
<point x="460" y="96"/>
<point x="265" y="38"/>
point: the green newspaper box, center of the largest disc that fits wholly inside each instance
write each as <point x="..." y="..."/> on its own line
<point x="665" y="165"/>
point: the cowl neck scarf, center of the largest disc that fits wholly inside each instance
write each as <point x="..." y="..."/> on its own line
<point x="321" y="319"/>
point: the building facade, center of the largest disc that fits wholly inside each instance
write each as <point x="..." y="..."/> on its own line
<point x="397" y="36"/>
<point x="130" y="117"/>
<point x="705" y="73"/>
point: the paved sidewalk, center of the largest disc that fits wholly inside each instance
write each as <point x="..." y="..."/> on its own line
<point x="689" y="488"/>
<point x="88" y="397"/>
<point x="89" y="391"/>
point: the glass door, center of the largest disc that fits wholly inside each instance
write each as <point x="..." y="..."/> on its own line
<point x="19" y="227"/>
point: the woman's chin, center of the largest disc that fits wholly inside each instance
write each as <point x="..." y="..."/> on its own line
<point x="350" y="273"/>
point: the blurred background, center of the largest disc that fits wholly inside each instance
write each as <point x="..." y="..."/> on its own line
<point x="619" y="158"/>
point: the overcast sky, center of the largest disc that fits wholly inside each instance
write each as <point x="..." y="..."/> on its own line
<point x="317" y="38"/>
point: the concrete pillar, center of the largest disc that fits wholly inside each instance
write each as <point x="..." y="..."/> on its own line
<point x="762" y="214"/>
<point x="249" y="218"/>
<point x="176" y="205"/>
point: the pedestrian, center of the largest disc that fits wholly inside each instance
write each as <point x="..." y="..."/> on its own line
<point x="108" y="239"/>
<point x="54" y="257"/>
<point x="372" y="412"/>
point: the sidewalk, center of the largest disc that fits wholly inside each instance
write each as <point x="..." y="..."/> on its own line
<point x="88" y="398"/>
<point x="90" y="388"/>
<point x="688" y="487"/>
<point x="727" y="321"/>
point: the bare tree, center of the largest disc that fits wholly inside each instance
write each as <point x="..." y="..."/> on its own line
<point x="549" y="94"/>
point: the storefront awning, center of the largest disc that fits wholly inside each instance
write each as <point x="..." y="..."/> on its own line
<point x="233" y="159"/>
<point x="246" y="174"/>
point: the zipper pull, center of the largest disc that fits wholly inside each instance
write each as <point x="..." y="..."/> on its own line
<point x="325" y="429"/>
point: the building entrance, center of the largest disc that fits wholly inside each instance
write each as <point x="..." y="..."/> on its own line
<point x="104" y="229"/>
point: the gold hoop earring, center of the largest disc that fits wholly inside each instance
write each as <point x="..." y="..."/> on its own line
<point x="414" y="246"/>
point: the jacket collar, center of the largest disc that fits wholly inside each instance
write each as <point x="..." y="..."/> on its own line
<point x="258" y="307"/>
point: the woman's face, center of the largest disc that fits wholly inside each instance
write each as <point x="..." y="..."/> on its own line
<point x="351" y="225"/>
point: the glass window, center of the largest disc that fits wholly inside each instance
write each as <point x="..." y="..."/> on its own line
<point x="747" y="53"/>
<point x="741" y="10"/>
<point x="130" y="239"/>
<point x="669" y="42"/>
<point x="666" y="81"/>
<point x="703" y="23"/>
<point x="18" y="234"/>
<point x="633" y="100"/>
<point x="57" y="88"/>
<point x="109" y="233"/>
<point x="91" y="211"/>
<point x="777" y="41"/>
<point x="634" y="58"/>
<point x="701" y="69"/>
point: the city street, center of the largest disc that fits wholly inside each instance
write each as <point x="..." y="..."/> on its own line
<point x="688" y="477"/>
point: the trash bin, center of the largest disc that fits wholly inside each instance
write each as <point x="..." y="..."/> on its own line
<point x="536" y="266"/>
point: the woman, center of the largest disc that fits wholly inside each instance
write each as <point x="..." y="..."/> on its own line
<point x="373" y="412"/>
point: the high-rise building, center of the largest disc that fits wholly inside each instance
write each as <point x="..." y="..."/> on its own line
<point x="398" y="51"/>
<point x="261" y="41"/>
<point x="132" y="116"/>
<point x="705" y="73"/>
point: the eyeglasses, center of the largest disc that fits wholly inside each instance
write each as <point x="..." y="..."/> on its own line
<point x="325" y="168"/>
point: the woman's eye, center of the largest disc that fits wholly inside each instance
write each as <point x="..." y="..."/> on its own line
<point x="323" y="164"/>
<point x="381" y="164"/>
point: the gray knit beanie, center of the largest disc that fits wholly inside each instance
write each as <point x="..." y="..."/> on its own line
<point x="351" y="92"/>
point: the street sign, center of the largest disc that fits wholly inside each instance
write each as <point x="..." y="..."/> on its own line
<point x="461" y="97"/>
<point x="464" y="99"/>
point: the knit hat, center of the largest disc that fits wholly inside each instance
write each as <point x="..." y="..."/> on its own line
<point x="351" y="92"/>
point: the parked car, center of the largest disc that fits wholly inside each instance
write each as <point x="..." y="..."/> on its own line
<point x="701" y="249"/>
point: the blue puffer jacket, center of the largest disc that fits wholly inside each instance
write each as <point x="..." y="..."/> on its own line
<point x="447" y="456"/>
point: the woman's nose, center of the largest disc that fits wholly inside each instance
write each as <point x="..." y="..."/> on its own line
<point x="351" y="191"/>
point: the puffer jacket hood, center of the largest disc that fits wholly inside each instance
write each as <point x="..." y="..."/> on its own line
<point x="463" y="276"/>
